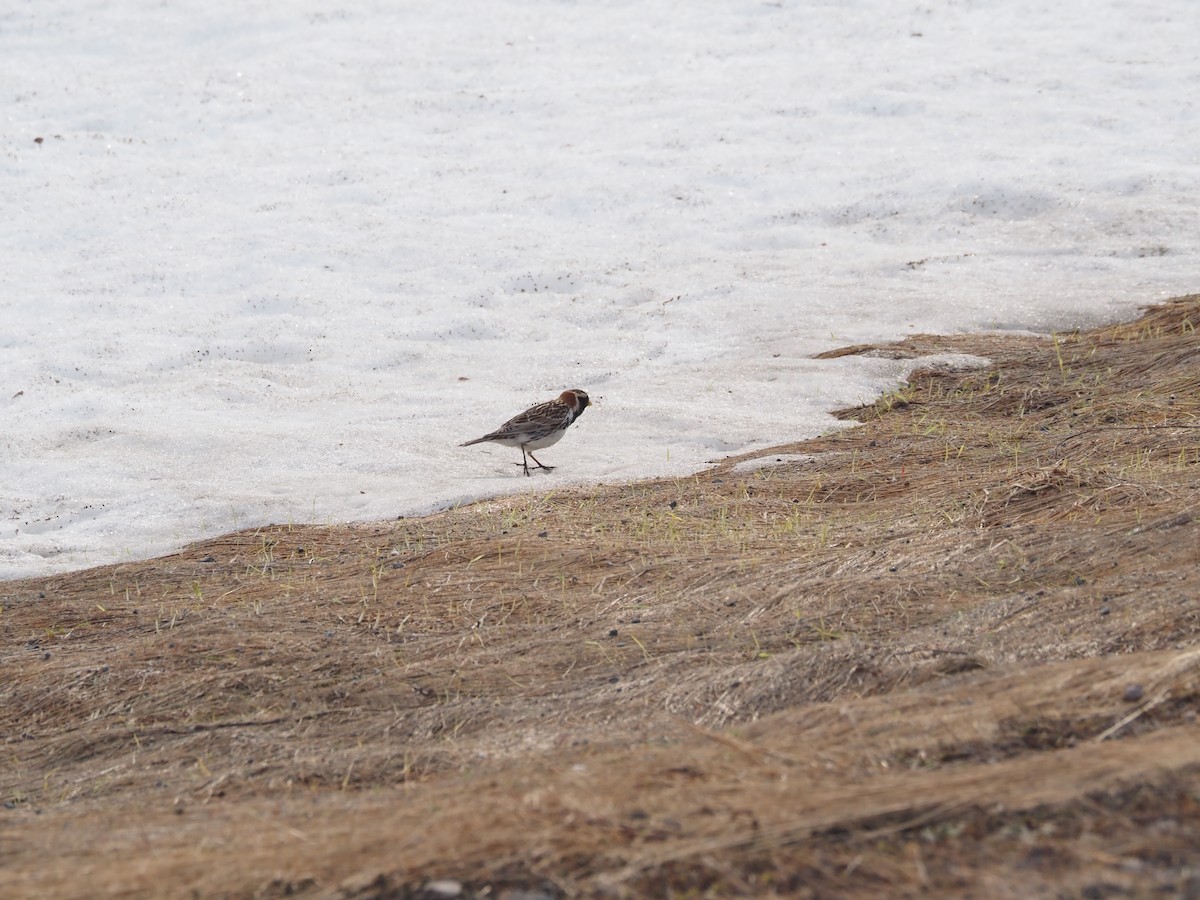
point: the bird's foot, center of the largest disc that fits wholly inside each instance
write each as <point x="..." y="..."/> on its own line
<point x="537" y="463"/>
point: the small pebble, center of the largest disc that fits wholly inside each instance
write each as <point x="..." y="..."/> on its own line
<point x="1133" y="693"/>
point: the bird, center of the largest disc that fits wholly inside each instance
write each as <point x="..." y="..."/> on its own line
<point x="539" y="426"/>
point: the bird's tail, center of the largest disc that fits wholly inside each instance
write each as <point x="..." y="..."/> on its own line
<point x="476" y="441"/>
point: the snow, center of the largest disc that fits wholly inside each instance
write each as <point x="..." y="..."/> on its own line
<point x="274" y="262"/>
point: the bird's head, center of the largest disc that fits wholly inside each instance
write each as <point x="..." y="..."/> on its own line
<point x="576" y="397"/>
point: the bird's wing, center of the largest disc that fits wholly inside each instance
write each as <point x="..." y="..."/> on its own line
<point x="532" y="419"/>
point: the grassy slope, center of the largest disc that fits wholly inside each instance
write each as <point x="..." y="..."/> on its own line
<point x="951" y="650"/>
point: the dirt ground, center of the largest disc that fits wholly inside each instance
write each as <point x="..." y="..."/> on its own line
<point x="949" y="652"/>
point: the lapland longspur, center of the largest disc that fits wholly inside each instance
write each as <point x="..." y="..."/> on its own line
<point x="539" y="426"/>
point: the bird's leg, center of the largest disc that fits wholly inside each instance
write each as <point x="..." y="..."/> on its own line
<point x="539" y="465"/>
<point x="525" y="462"/>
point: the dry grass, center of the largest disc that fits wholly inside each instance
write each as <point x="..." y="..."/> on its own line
<point x="950" y="651"/>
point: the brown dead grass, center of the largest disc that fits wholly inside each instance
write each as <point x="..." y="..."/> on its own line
<point x="951" y="651"/>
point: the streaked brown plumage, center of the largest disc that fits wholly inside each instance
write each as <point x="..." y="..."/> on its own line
<point x="539" y="426"/>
